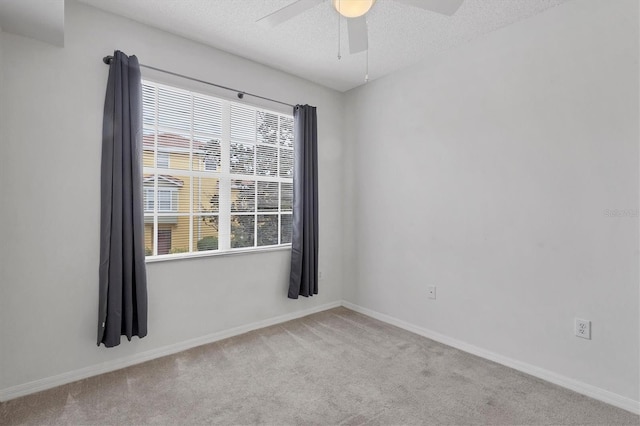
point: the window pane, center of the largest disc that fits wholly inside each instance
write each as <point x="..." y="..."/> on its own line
<point x="179" y="145"/>
<point x="267" y="127"/>
<point x="205" y="233"/>
<point x="172" y="194"/>
<point x="286" y="162"/>
<point x="206" y="155"/>
<point x="167" y="200"/>
<point x="243" y="123"/>
<point x="148" y="105"/>
<point x="172" y="190"/>
<point x="148" y="150"/>
<point x="164" y="240"/>
<point x="164" y="200"/>
<point x="174" y="109"/>
<point x="286" y="203"/>
<point x="148" y="235"/>
<point x="163" y="159"/>
<point x="206" y="195"/>
<point x="267" y="230"/>
<point x="207" y="115"/>
<point x="267" y="196"/>
<point x="243" y="195"/>
<point x="286" y="131"/>
<point x="267" y="160"/>
<point x="173" y="237"/>
<point x="242" y="231"/>
<point x="148" y="199"/>
<point x="286" y="228"/>
<point x="241" y="158"/>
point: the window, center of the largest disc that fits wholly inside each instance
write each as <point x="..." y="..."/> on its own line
<point x="218" y="175"/>
<point x="163" y="159"/>
<point x="167" y="190"/>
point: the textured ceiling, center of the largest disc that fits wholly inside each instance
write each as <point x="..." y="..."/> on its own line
<point x="307" y="45"/>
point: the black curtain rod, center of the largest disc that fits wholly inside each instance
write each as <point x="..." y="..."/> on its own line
<point x="240" y="93"/>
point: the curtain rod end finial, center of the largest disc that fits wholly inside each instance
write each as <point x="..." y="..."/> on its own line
<point x="107" y="59"/>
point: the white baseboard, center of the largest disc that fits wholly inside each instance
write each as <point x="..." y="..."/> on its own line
<point x="93" y="370"/>
<point x="558" y="379"/>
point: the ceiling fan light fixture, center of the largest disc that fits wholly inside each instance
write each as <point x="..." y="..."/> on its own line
<point x="352" y="8"/>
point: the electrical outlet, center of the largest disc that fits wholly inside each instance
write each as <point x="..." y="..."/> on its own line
<point x="583" y="328"/>
<point x="431" y="291"/>
<point x="319" y="275"/>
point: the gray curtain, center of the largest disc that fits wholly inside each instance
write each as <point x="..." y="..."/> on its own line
<point x="303" y="279"/>
<point x="123" y="279"/>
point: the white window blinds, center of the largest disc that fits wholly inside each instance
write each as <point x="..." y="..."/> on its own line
<point x="217" y="174"/>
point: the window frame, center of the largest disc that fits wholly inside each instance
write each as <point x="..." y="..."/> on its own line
<point x="221" y="170"/>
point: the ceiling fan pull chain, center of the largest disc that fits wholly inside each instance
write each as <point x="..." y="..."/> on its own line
<point x="366" y="76"/>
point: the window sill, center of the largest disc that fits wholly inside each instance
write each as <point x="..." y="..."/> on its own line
<point x="232" y="252"/>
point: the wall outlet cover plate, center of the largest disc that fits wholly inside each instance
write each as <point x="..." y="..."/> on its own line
<point x="583" y="328"/>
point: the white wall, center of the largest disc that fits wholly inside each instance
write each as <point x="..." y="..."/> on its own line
<point x="487" y="171"/>
<point x="503" y="154"/>
<point x="50" y="157"/>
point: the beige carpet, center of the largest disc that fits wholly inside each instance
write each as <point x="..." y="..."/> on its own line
<point x="335" y="367"/>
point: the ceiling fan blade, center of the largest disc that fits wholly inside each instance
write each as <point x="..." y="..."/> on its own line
<point x="445" y="7"/>
<point x="288" y="12"/>
<point x="358" y="37"/>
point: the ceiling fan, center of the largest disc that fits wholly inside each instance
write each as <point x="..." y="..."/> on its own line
<point x="355" y="11"/>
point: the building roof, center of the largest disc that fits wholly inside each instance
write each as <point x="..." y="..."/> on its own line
<point x="171" y="142"/>
<point x="163" y="180"/>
